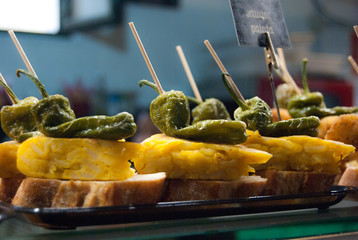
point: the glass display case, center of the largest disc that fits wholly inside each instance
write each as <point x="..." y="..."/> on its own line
<point x="274" y="217"/>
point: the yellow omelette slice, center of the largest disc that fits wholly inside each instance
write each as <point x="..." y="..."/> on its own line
<point x="8" y="154"/>
<point x="76" y="158"/>
<point x="180" y="158"/>
<point x="300" y="153"/>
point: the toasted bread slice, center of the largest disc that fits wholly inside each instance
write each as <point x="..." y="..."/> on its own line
<point x="189" y="189"/>
<point x="138" y="189"/>
<point x="295" y="182"/>
<point x="8" y="188"/>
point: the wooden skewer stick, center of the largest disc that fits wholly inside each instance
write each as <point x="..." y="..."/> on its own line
<point x="290" y="80"/>
<point x="354" y="64"/>
<point x="223" y="70"/>
<point x="287" y="76"/>
<point x="22" y="53"/>
<point x="188" y="73"/>
<point x="146" y="58"/>
<point x="356" y="29"/>
<point x="281" y="55"/>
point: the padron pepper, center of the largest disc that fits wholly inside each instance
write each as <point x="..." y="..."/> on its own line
<point x="209" y="109"/>
<point x="170" y="112"/>
<point x="307" y="104"/>
<point x="17" y="120"/>
<point x="115" y="127"/>
<point x="312" y="103"/>
<point x="284" y="92"/>
<point x="55" y="118"/>
<point x="258" y="116"/>
<point x="58" y="108"/>
<point x="215" y="131"/>
<point x="296" y="126"/>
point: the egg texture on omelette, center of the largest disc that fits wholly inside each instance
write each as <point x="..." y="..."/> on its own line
<point x="300" y="153"/>
<point x="185" y="159"/>
<point x="8" y="153"/>
<point x="76" y="158"/>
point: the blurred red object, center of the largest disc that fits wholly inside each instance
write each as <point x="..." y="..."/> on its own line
<point x="336" y="92"/>
<point x="80" y="98"/>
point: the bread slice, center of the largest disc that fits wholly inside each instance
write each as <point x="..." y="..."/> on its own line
<point x="295" y="182"/>
<point x="139" y="189"/>
<point x="8" y="188"/>
<point x="188" y="189"/>
<point x="349" y="177"/>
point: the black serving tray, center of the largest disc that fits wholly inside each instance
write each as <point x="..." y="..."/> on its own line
<point x="70" y="218"/>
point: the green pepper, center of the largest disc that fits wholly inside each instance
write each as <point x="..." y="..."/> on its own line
<point x="55" y="109"/>
<point x="215" y="131"/>
<point x="258" y="116"/>
<point x="296" y="126"/>
<point x="101" y="127"/>
<point x="17" y="120"/>
<point x="170" y="112"/>
<point x="55" y="118"/>
<point x="312" y="103"/>
<point x="210" y="109"/>
<point x="284" y="92"/>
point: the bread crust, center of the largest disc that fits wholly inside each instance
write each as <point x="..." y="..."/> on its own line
<point x="295" y="182"/>
<point x="36" y="192"/>
<point x="349" y="177"/>
<point x="139" y="189"/>
<point x="8" y="188"/>
<point x="188" y="189"/>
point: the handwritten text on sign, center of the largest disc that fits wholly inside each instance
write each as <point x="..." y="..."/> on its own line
<point x="254" y="17"/>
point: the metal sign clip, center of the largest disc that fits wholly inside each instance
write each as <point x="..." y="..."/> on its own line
<point x="271" y="61"/>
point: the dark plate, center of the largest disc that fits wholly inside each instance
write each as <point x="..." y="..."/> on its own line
<point x="70" y="218"/>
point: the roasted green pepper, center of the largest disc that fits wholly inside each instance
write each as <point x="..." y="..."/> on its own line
<point x="55" y="109"/>
<point x="55" y="118"/>
<point x="258" y="116"/>
<point x="210" y="109"/>
<point x="296" y="126"/>
<point x="17" y="120"/>
<point x="53" y="123"/>
<point x="215" y="131"/>
<point x="170" y="112"/>
<point x="284" y="92"/>
<point x="312" y="103"/>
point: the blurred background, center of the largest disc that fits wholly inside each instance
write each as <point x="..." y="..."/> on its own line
<point x="85" y="50"/>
